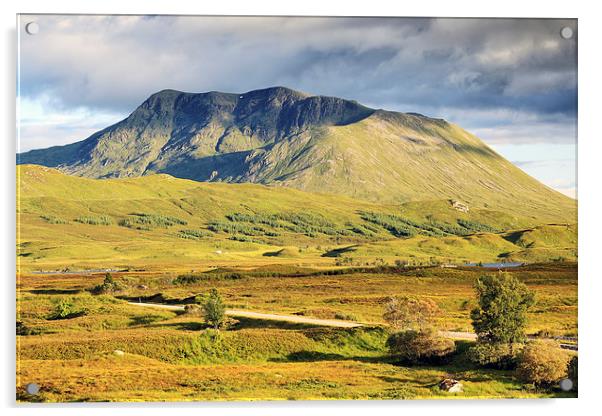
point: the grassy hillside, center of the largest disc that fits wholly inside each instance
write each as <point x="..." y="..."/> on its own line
<point x="67" y="221"/>
<point x="314" y="143"/>
<point x="396" y="158"/>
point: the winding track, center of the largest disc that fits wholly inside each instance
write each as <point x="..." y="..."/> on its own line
<point x="337" y="323"/>
<point x="266" y="316"/>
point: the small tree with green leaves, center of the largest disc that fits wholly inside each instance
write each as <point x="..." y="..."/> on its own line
<point x="65" y="308"/>
<point x="109" y="285"/>
<point x="214" y="310"/>
<point x="501" y="314"/>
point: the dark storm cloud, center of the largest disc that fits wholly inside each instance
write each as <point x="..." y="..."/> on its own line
<point x="446" y="66"/>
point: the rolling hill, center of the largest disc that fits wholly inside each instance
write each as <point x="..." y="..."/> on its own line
<point x="282" y="137"/>
<point x="166" y="222"/>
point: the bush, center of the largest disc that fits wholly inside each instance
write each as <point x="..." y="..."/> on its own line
<point x="23" y="329"/>
<point x="404" y="227"/>
<point x="420" y="346"/>
<point x="194" y="234"/>
<point x="109" y="285"/>
<point x="474" y="226"/>
<point x="65" y="308"/>
<point x="101" y="220"/>
<point x="243" y="225"/>
<point x="145" y="222"/>
<point x="191" y="278"/>
<point x="542" y="363"/>
<point x="495" y="355"/>
<point x="54" y="220"/>
<point x="345" y="316"/>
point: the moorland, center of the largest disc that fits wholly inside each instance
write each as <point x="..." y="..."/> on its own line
<point x="195" y="249"/>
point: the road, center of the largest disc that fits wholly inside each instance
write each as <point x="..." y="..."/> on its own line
<point x="337" y="323"/>
<point x="266" y="316"/>
<point x="472" y="336"/>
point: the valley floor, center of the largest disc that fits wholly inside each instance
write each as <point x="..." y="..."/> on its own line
<point x="171" y="356"/>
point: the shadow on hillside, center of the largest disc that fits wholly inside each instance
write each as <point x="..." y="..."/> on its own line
<point x="253" y="323"/>
<point x="55" y="291"/>
<point x="337" y="252"/>
<point x="314" y="356"/>
<point x="185" y="326"/>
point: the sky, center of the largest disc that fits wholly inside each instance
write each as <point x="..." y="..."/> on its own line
<point x="512" y="82"/>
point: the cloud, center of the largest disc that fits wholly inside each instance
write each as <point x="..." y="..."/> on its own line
<point x="43" y="125"/>
<point x="115" y="62"/>
<point x="509" y="81"/>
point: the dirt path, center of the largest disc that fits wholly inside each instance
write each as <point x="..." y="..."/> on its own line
<point x="472" y="336"/>
<point x="266" y="316"/>
<point x="337" y="323"/>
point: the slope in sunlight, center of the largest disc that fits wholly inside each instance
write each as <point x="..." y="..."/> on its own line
<point x="74" y="221"/>
<point x="283" y="137"/>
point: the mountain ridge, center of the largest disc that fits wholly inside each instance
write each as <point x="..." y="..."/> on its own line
<point x="279" y="136"/>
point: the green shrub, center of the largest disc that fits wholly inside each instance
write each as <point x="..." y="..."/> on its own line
<point x="244" y="239"/>
<point x="345" y="316"/>
<point x="23" y="329"/>
<point x="477" y="226"/>
<point x="65" y="308"/>
<point x="109" y="285"/>
<point x="263" y="224"/>
<point x="501" y="356"/>
<point x="191" y="278"/>
<point x="542" y="363"/>
<point x="54" y="220"/>
<point x="420" y="346"/>
<point x="194" y="234"/>
<point x="397" y="226"/>
<point x="101" y="220"/>
<point x="141" y="221"/>
<point x="404" y="227"/>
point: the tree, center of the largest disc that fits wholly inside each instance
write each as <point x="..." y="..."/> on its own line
<point x="501" y="314"/>
<point x="407" y="313"/>
<point x="214" y="310"/>
<point x="109" y="285"/>
<point x="109" y="279"/>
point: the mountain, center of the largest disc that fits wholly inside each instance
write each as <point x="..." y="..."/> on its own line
<point x="279" y="136"/>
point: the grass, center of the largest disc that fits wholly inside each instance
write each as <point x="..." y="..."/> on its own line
<point x="151" y="221"/>
<point x="279" y="251"/>
<point x="141" y="378"/>
<point x="172" y="356"/>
